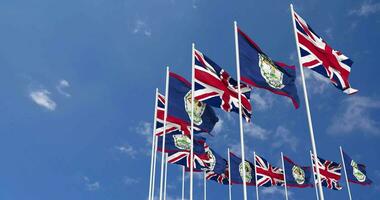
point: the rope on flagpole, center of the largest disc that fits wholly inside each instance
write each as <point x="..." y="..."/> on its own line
<point x="345" y="173"/>
<point x="283" y="168"/>
<point x="152" y="162"/>
<point x="229" y="175"/>
<point x="240" y="111"/>
<point x="315" y="182"/>
<point x="164" y="134"/>
<point x="257" y="187"/>
<point x="310" y="123"/>
<point x="192" y="122"/>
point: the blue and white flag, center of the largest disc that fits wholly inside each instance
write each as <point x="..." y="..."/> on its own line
<point x="356" y="173"/>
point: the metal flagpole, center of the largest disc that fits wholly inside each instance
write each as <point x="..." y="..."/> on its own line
<point x="164" y="134"/>
<point x="315" y="182"/>
<point x="153" y="145"/>
<point x="204" y="186"/>
<point x="166" y="174"/>
<point x="183" y="182"/>
<point x="154" y="167"/>
<point x="314" y="148"/>
<point x="192" y="122"/>
<point x="240" y="110"/>
<point x="257" y="187"/>
<point x="229" y="175"/>
<point x="345" y="173"/>
<point x="283" y="168"/>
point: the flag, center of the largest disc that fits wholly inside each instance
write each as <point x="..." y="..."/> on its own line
<point x="268" y="175"/>
<point x="222" y="178"/>
<point x="258" y="70"/>
<point x="237" y="168"/>
<point x="214" y="86"/>
<point x="317" y="55"/>
<point x="214" y="161"/>
<point x="179" y="107"/>
<point x="297" y="176"/>
<point x="176" y="141"/>
<point x="160" y="114"/>
<point x="356" y="173"/>
<point x="329" y="172"/>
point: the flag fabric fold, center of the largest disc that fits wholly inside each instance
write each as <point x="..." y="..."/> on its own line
<point x="237" y="168"/>
<point x="318" y="56"/>
<point x="356" y="173"/>
<point x="258" y="70"/>
<point x="214" y="86"/>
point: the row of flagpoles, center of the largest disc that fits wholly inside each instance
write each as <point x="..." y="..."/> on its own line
<point x="330" y="63"/>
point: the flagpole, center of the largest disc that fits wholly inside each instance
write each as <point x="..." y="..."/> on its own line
<point x="229" y="175"/>
<point x="345" y="173"/>
<point x="166" y="174"/>
<point x="152" y="162"/>
<point x="204" y="186"/>
<point x="240" y="109"/>
<point x="283" y="168"/>
<point x="257" y="187"/>
<point x="315" y="182"/>
<point x="154" y="167"/>
<point x="183" y="182"/>
<point x="192" y="122"/>
<point x="164" y="132"/>
<point x="314" y="148"/>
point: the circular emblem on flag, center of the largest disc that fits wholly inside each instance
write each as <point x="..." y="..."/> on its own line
<point x="248" y="170"/>
<point x="298" y="174"/>
<point x="182" y="142"/>
<point x="211" y="159"/>
<point x="360" y="176"/>
<point x="199" y="108"/>
<point x="270" y="73"/>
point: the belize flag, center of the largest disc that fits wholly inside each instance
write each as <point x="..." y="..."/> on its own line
<point x="237" y="168"/>
<point x="356" y="173"/>
<point x="297" y="176"/>
<point x="258" y="70"/>
<point x="179" y="107"/>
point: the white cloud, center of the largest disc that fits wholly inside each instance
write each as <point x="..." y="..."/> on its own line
<point x="261" y="100"/>
<point x="275" y="191"/>
<point x="218" y="127"/>
<point x="127" y="149"/>
<point x="355" y="114"/>
<point x="145" y="129"/>
<point x="61" y="86"/>
<point x="315" y="82"/>
<point x="255" y="131"/>
<point x="130" y="181"/>
<point x="41" y="98"/>
<point x="367" y="8"/>
<point x="141" y="27"/>
<point x="283" y="137"/>
<point x="91" y="186"/>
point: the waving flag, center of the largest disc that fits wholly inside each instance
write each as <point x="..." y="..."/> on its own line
<point x="297" y="176"/>
<point x="214" y="86"/>
<point x="170" y="127"/>
<point x="329" y="172"/>
<point x="237" y="168"/>
<point x="179" y="107"/>
<point x="222" y="178"/>
<point x="214" y="162"/>
<point x="317" y="55"/>
<point x="176" y="141"/>
<point x="356" y="173"/>
<point x="267" y="175"/>
<point x="258" y="70"/>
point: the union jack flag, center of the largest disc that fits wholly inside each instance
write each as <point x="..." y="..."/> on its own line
<point x="267" y="175"/>
<point x="317" y="55"/>
<point x="172" y="124"/>
<point x="183" y="158"/>
<point x="219" y="178"/>
<point x="329" y="172"/>
<point x="214" y="86"/>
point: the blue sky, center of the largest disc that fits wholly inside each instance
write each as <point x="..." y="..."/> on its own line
<point x="78" y="80"/>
